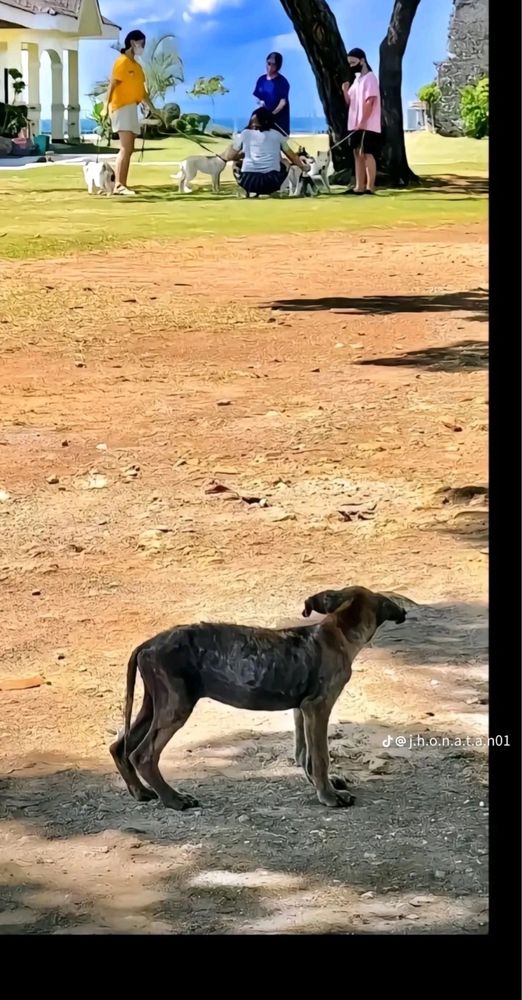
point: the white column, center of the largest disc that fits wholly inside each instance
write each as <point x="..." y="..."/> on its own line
<point x="11" y="59"/>
<point x="73" y="108"/>
<point x="12" y="55"/>
<point x="57" y="106"/>
<point x="34" y="108"/>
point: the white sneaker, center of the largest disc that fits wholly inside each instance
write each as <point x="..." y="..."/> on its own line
<point x="124" y="191"/>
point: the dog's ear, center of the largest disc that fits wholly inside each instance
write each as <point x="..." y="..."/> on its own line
<point x="389" y="611"/>
<point x="350" y="614"/>
<point x="326" y="602"/>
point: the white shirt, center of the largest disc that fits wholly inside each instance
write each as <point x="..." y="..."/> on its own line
<point x="262" y="150"/>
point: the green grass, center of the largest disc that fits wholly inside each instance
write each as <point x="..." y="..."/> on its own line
<point x="47" y="212"/>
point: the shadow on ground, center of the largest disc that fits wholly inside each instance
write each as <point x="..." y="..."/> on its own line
<point x="438" y="634"/>
<point x="261" y="856"/>
<point x="470" y="526"/>
<point x="453" y="184"/>
<point x="473" y="301"/>
<point x="464" y="355"/>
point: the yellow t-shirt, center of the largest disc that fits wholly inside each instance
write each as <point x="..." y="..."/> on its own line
<point x="130" y="87"/>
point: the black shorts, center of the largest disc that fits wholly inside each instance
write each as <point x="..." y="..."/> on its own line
<point x="257" y="183"/>
<point x="365" y="142"/>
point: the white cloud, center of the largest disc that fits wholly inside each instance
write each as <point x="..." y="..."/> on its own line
<point x="286" y="43"/>
<point x="186" y="17"/>
<point x="210" y="6"/>
<point x="156" y="18"/>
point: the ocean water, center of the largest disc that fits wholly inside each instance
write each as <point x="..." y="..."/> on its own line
<point x="308" y="125"/>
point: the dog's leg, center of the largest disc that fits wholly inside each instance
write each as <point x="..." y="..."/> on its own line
<point x="172" y="708"/>
<point x="190" y="174"/>
<point x="299" y="739"/>
<point x="121" y="750"/>
<point x="303" y="758"/>
<point x="316" y="714"/>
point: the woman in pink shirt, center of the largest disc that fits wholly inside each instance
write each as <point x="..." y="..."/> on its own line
<point x="363" y="97"/>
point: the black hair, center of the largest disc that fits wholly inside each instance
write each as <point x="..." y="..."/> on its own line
<point x="278" y="59"/>
<point x="265" y="119"/>
<point x="356" y="54"/>
<point x="133" y="36"/>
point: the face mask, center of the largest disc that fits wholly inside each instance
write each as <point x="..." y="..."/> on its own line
<point x="138" y="51"/>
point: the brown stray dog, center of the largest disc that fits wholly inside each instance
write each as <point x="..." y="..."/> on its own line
<point x="303" y="668"/>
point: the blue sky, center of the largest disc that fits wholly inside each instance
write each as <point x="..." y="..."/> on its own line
<point x="233" y="37"/>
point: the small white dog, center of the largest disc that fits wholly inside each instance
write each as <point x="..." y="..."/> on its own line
<point x="213" y="165"/>
<point x="99" y="177"/>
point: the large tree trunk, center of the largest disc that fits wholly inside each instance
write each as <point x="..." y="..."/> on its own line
<point x="393" y="160"/>
<point x="317" y="30"/>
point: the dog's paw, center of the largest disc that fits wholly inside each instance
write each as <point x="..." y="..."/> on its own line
<point x="179" y="802"/>
<point x="144" y="794"/>
<point x="189" y="802"/>
<point x="336" y="800"/>
<point x="340" y="784"/>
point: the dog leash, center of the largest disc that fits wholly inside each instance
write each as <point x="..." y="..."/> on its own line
<point x="335" y="145"/>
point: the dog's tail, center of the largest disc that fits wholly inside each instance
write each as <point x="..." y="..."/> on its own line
<point x="181" y="172"/>
<point x="132" y="668"/>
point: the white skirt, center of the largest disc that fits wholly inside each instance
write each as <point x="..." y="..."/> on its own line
<point x="126" y="119"/>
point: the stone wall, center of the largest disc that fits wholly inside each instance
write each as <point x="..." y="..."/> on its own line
<point x="467" y="62"/>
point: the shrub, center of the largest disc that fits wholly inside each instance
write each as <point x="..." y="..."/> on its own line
<point x="474" y="108"/>
<point x="13" y="118"/>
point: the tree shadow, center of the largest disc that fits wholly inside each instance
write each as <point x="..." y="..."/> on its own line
<point x="464" y="355"/>
<point x="453" y="184"/>
<point x="439" y="634"/>
<point x="471" y="526"/>
<point x="474" y="301"/>
<point x="261" y="856"/>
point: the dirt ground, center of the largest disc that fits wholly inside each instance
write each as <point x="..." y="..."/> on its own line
<point x="343" y="385"/>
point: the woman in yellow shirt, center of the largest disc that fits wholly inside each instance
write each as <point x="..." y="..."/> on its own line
<point x="127" y="90"/>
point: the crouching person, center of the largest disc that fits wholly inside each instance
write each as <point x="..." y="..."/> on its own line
<point x="260" y="145"/>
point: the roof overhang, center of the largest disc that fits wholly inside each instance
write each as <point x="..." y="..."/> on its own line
<point x="89" y="22"/>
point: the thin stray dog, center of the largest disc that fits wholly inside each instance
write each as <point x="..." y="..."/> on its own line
<point x="99" y="177"/>
<point x="303" y="668"/>
<point x="189" y="168"/>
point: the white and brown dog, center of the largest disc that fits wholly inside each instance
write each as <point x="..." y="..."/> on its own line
<point x="189" y="168"/>
<point x="99" y="177"/>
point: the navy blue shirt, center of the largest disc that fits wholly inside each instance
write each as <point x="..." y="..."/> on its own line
<point x="271" y="91"/>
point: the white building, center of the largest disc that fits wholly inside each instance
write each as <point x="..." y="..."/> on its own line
<point x="416" y="116"/>
<point x="29" y="28"/>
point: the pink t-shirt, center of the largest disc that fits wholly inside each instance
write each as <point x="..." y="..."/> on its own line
<point x="362" y="88"/>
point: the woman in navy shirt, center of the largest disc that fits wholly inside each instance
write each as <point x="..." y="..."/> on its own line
<point x="272" y="90"/>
